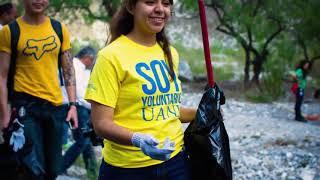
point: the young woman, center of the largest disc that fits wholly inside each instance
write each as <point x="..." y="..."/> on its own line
<point x="300" y="76"/>
<point x="135" y="96"/>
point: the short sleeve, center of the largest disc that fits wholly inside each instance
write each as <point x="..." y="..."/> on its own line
<point x="66" y="45"/>
<point x="104" y="83"/>
<point x="299" y="74"/>
<point x="5" y="40"/>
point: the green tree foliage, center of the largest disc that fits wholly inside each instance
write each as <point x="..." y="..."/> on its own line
<point x="90" y="10"/>
<point x="306" y="27"/>
<point x="261" y="27"/>
<point x="253" y="23"/>
<point x="300" y="39"/>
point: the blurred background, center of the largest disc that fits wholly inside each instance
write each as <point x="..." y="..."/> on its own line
<point x="253" y="42"/>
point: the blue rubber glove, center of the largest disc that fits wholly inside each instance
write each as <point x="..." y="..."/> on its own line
<point x="148" y="145"/>
<point x="17" y="139"/>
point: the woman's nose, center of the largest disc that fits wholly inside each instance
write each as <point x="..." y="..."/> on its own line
<point x="159" y="7"/>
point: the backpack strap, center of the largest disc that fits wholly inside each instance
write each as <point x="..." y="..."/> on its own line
<point x="15" y="35"/>
<point x="57" y="27"/>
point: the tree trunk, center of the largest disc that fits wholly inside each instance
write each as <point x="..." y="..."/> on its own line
<point x="247" y="68"/>
<point x="257" y="68"/>
<point x="260" y="58"/>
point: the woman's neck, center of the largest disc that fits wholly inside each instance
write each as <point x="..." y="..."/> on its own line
<point x="34" y="19"/>
<point x="143" y="39"/>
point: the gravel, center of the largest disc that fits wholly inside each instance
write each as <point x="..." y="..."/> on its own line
<point x="265" y="142"/>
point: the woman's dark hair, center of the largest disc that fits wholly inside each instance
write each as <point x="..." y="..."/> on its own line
<point x="5" y="8"/>
<point x="301" y="65"/>
<point x="122" y="24"/>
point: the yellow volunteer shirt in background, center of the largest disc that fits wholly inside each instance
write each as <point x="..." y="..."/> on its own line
<point x="134" y="80"/>
<point x="37" y="59"/>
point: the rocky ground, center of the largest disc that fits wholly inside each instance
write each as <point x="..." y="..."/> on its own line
<point x="266" y="143"/>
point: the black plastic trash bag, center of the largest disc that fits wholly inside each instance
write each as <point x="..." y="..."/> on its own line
<point x="206" y="139"/>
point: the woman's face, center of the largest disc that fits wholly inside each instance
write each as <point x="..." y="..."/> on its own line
<point x="150" y="16"/>
<point x="306" y="66"/>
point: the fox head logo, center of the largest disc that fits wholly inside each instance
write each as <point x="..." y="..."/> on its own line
<point x="37" y="48"/>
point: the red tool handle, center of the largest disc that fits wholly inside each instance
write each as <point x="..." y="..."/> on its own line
<point x="206" y="46"/>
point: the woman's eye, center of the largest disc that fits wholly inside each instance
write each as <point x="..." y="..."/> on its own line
<point x="149" y="2"/>
<point x="166" y="3"/>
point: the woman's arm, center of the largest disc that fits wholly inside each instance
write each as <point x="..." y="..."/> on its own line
<point x="4" y="107"/>
<point x="293" y="75"/>
<point x="187" y="114"/>
<point x="102" y="120"/>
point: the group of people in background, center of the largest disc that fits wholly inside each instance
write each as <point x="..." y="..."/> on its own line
<point x="142" y="139"/>
<point x="41" y="103"/>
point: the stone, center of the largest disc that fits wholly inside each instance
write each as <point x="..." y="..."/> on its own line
<point x="185" y="73"/>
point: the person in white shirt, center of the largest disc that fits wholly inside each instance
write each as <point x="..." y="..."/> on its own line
<point x="82" y="63"/>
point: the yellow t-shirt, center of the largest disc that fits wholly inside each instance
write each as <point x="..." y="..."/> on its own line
<point x="134" y="80"/>
<point x="37" y="59"/>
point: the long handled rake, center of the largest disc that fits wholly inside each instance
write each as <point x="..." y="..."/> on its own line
<point x="206" y="46"/>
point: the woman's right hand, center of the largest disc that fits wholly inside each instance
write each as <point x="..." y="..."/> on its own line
<point x="148" y="145"/>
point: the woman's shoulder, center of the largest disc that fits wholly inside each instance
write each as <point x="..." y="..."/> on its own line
<point x="113" y="48"/>
<point x="173" y="50"/>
